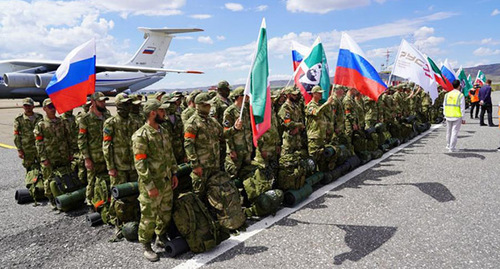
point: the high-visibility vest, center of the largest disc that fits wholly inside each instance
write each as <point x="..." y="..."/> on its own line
<point x="452" y="103"/>
<point x="474" y="97"/>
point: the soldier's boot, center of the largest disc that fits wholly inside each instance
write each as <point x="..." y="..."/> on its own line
<point x="149" y="254"/>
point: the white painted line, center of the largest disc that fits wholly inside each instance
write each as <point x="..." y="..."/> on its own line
<point x="203" y="258"/>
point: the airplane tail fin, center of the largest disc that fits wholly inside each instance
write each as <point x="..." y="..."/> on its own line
<point x="154" y="48"/>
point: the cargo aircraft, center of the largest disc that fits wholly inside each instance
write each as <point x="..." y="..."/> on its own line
<point x="29" y="78"/>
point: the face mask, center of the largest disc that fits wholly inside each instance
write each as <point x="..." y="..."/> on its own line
<point x="159" y="120"/>
<point x="123" y="110"/>
<point x="101" y="109"/>
<point x="224" y="93"/>
<point x="203" y="109"/>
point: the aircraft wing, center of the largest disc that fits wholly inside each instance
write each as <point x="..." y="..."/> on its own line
<point x="53" y="65"/>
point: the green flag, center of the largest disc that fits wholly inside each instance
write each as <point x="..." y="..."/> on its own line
<point x="480" y="78"/>
<point x="464" y="82"/>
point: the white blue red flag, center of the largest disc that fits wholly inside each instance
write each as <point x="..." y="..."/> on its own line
<point x="354" y="71"/>
<point x="74" y="78"/>
<point x="299" y="51"/>
<point x="448" y="72"/>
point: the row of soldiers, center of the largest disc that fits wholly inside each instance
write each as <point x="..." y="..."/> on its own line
<point x="211" y="131"/>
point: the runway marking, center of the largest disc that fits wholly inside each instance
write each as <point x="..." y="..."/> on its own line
<point x="6" y="146"/>
<point x="203" y="258"/>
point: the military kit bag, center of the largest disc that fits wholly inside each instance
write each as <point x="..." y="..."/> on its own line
<point x="195" y="223"/>
<point x="292" y="172"/>
<point x="66" y="179"/>
<point x="34" y="183"/>
<point x="224" y="198"/>
<point x="260" y="182"/>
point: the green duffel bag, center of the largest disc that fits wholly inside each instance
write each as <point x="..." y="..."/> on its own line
<point x="292" y="172"/>
<point x="261" y="181"/>
<point x="195" y="223"/>
<point x="34" y="183"/>
<point x="224" y="197"/>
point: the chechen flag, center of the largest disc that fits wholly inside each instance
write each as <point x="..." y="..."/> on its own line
<point x="299" y="51"/>
<point x="480" y="78"/>
<point x="354" y="71"/>
<point x="74" y="79"/>
<point x="312" y="71"/>
<point x="259" y="89"/>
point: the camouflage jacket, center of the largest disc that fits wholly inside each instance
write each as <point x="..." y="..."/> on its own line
<point x="137" y="120"/>
<point x="270" y="139"/>
<point x="218" y="108"/>
<point x="202" y="136"/>
<point x="338" y="115"/>
<point x="90" y="136"/>
<point x="52" y="141"/>
<point x="23" y="132"/>
<point x="360" y="111"/>
<point x="237" y="140"/>
<point x="176" y="130"/>
<point x="117" y="143"/>
<point x="154" y="158"/>
<point x="317" y="120"/>
<point x="371" y="111"/>
<point x="187" y="113"/>
<point x="350" y="110"/>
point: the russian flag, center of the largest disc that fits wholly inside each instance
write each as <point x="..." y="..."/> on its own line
<point x="447" y="71"/>
<point x="74" y="79"/>
<point x="354" y="71"/>
<point x="298" y="53"/>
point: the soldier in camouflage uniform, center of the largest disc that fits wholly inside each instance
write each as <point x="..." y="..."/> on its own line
<point x="202" y="138"/>
<point x="136" y="116"/>
<point x="156" y="166"/>
<point x="220" y="103"/>
<point x="351" y="123"/>
<point x="238" y="135"/>
<point x="53" y="146"/>
<point x="90" y="140"/>
<point x="117" y="150"/>
<point x="24" y="124"/>
<point x="191" y="108"/>
<point x="290" y="117"/>
<point x="317" y="123"/>
<point x="174" y="125"/>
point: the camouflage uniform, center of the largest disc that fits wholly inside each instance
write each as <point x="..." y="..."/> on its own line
<point x="156" y="166"/>
<point x="202" y="137"/>
<point x="269" y="143"/>
<point x="190" y="110"/>
<point x="317" y="125"/>
<point x="90" y="138"/>
<point x="238" y="141"/>
<point x="290" y="117"/>
<point x="174" y="125"/>
<point x="53" y="145"/>
<point x="371" y="112"/>
<point x="24" y="138"/>
<point x="136" y="116"/>
<point x="351" y="119"/>
<point x="117" y="150"/>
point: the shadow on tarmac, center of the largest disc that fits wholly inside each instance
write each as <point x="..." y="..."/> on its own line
<point x="435" y="190"/>
<point x="241" y="249"/>
<point x="363" y="240"/>
<point x="479" y="150"/>
<point x="359" y="181"/>
<point x="461" y="155"/>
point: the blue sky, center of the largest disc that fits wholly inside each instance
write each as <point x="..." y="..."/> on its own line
<point x="465" y="32"/>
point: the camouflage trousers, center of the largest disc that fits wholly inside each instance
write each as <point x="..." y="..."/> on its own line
<point x="156" y="212"/>
<point x="316" y="149"/>
<point x="200" y="183"/>
<point x="98" y="169"/>
<point x="102" y="195"/>
<point x="125" y="209"/>
<point x="30" y="159"/>
<point x="291" y="143"/>
<point x="236" y="168"/>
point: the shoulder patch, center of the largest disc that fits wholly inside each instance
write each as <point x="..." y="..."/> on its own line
<point x="227" y="123"/>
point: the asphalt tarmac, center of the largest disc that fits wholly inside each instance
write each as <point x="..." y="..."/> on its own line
<point x="418" y="207"/>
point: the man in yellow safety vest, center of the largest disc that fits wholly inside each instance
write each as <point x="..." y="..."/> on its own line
<point x="453" y="108"/>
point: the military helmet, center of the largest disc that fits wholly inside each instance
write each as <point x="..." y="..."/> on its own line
<point x="47" y="102"/>
<point x="98" y="96"/>
<point x="122" y="98"/>
<point x="223" y="84"/>
<point x="28" y="102"/>
<point x="203" y="98"/>
<point x="317" y="89"/>
<point x="237" y="92"/>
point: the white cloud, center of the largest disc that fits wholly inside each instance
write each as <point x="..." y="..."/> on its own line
<point x="325" y="6"/>
<point x="262" y="8"/>
<point x="221" y="37"/>
<point x="201" y="16"/>
<point x="234" y="6"/>
<point x="146" y="8"/>
<point x="482" y="51"/>
<point x="495" y="12"/>
<point x="423" y="32"/>
<point x="205" y="39"/>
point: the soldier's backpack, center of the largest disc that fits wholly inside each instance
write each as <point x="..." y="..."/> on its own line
<point x="64" y="180"/>
<point x="195" y="223"/>
<point x="34" y="183"/>
<point x="224" y="197"/>
<point x="292" y="172"/>
<point x="260" y="182"/>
